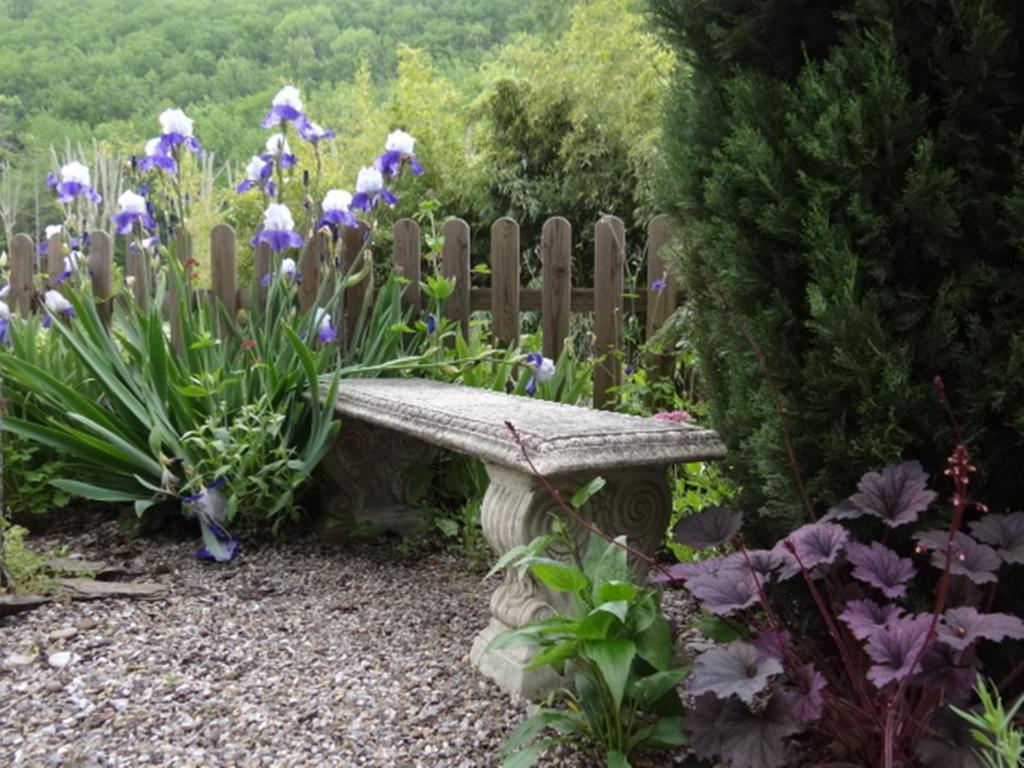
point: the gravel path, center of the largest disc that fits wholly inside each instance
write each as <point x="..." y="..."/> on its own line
<point x="295" y="655"/>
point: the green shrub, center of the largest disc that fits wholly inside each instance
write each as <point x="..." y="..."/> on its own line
<point x="617" y="647"/>
<point x="849" y="181"/>
<point x="28" y="471"/>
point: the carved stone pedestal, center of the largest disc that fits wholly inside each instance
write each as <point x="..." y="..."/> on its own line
<point x="365" y="482"/>
<point x="517" y="509"/>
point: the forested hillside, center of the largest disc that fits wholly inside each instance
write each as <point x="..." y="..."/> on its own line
<point x="526" y="109"/>
<point x="83" y="68"/>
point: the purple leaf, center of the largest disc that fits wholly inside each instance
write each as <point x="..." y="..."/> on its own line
<point x="771" y="644"/>
<point x="765" y="562"/>
<point x="897" y="494"/>
<point x="732" y="670"/>
<point x="978" y="562"/>
<point x="702" y="722"/>
<point x="844" y="510"/>
<point x="806" y="701"/>
<point x="947" y="670"/>
<point x="880" y="567"/>
<point x="725" y="590"/>
<point x="679" y="572"/>
<point x="894" y="647"/>
<point x="813" y="544"/>
<point x="709" y="528"/>
<point x="959" y="627"/>
<point x="730" y="731"/>
<point x="1005" y="533"/>
<point x="865" y="617"/>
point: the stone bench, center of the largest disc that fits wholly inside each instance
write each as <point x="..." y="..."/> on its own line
<point x="392" y="424"/>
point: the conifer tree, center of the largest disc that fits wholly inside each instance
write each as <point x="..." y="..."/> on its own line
<point x="847" y="177"/>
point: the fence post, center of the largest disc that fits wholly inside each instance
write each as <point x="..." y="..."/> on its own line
<point x="182" y="251"/>
<point x="137" y="272"/>
<point x="660" y="304"/>
<point x="54" y="258"/>
<point x="223" y="273"/>
<point x="315" y="253"/>
<point x="556" y="274"/>
<point x="406" y="238"/>
<point x="22" y="258"/>
<point x="352" y="242"/>
<point x="609" y="283"/>
<point x="263" y="263"/>
<point x="505" y="281"/>
<point x="100" y="258"/>
<point x="455" y="264"/>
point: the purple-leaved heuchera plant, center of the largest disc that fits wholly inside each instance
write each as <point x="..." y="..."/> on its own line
<point x="904" y="608"/>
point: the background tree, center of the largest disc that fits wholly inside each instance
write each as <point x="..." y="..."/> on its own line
<point x="848" y="178"/>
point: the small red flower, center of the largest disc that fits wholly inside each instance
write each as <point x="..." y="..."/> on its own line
<point x="191" y="263"/>
<point x="249" y="344"/>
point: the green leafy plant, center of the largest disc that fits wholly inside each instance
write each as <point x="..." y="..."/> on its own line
<point x="1002" y="743"/>
<point x="29" y="472"/>
<point x="27" y="568"/>
<point x="253" y="443"/>
<point x="614" y="644"/>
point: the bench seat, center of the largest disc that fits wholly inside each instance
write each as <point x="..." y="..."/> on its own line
<point x="392" y="424"/>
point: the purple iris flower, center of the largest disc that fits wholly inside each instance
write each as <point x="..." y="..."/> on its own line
<point x="288" y="270"/>
<point x="337" y="207"/>
<point x="158" y="156"/>
<point x="258" y="171"/>
<point x="543" y="370"/>
<point x="57" y="305"/>
<point x="176" y="129"/>
<point x="277" y="147"/>
<point x="50" y="231"/>
<point x="431" y="324"/>
<point x="370" y="190"/>
<point x="71" y="264"/>
<point x="286" y="106"/>
<point x="313" y="132"/>
<point x="326" y="331"/>
<point x="74" y="183"/>
<point x="659" y="284"/>
<point x="133" y="210"/>
<point x="5" y="324"/>
<point x="52" y="181"/>
<point x="398" y="149"/>
<point x="278" y="229"/>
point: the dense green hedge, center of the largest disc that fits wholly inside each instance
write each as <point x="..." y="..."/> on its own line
<point x="849" y="179"/>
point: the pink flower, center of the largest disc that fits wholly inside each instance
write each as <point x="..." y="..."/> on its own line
<point x="672" y="416"/>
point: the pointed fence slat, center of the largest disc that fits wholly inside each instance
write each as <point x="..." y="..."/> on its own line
<point x="455" y="264"/>
<point x="609" y="282"/>
<point x="556" y="258"/>
<point x="316" y="252"/>
<point x="22" y="256"/>
<point x="54" y="258"/>
<point x="660" y="303"/>
<point x="406" y="238"/>
<point x="182" y="249"/>
<point x="137" y="272"/>
<point x="223" y="272"/>
<point x="100" y="265"/>
<point x="505" y="281"/>
<point x="352" y="246"/>
<point x="263" y="266"/>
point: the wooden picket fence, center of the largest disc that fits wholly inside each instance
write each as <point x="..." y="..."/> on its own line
<point x="505" y="298"/>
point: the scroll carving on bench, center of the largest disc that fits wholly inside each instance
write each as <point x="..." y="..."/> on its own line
<point x="568" y="444"/>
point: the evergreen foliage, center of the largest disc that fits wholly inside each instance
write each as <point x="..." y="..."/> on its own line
<point x="849" y="177"/>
